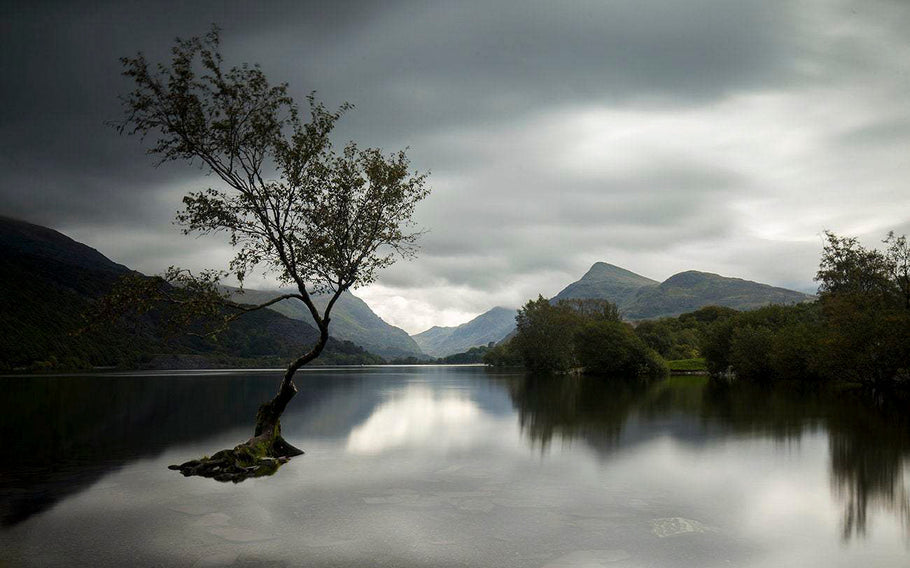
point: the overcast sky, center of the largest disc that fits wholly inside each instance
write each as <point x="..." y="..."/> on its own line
<point x="659" y="136"/>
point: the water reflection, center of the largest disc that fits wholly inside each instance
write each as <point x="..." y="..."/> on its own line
<point x="869" y="447"/>
<point x="417" y="417"/>
<point x="573" y="407"/>
<point x="62" y="434"/>
<point x="557" y="468"/>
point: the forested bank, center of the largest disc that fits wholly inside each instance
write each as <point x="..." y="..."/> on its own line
<point x="856" y="331"/>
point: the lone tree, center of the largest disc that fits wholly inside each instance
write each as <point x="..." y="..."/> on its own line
<point x="321" y="221"/>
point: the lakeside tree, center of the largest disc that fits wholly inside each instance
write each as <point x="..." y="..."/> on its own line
<point x="320" y="221"/>
<point x="586" y="334"/>
<point x="858" y="331"/>
<point x="544" y="336"/>
<point x="865" y="299"/>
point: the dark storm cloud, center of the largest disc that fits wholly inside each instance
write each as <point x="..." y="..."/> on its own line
<point x="409" y="68"/>
<point x="426" y="66"/>
<point x="60" y="84"/>
<point x="658" y="135"/>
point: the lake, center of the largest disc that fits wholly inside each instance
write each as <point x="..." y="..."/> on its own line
<point x="451" y="466"/>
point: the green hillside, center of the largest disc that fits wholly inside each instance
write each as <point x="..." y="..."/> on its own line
<point x="606" y="281"/>
<point x="352" y="320"/>
<point x="48" y="281"/>
<point x="642" y="298"/>
<point x="688" y="291"/>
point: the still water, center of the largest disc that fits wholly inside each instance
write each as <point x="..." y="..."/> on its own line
<point x="451" y="466"/>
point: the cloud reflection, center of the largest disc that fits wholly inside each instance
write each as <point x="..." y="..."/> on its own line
<point x="418" y="417"/>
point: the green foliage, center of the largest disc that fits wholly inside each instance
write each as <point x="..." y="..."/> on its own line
<point x="472" y="355"/>
<point x="767" y="343"/>
<point x="696" y="364"/>
<point x="750" y="349"/>
<point x="681" y="337"/>
<point x="858" y="330"/>
<point x="503" y="355"/>
<point x="865" y="299"/>
<point x="588" y="334"/>
<point x="326" y="220"/>
<point x="545" y="335"/>
<point x="608" y="347"/>
<point x="289" y="204"/>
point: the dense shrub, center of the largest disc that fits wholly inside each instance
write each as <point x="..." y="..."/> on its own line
<point x="858" y="330"/>
<point x="503" y="355"/>
<point x="583" y="334"/>
<point x="612" y="348"/>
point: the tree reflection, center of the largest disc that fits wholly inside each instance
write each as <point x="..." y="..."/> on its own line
<point x="569" y="407"/>
<point x="869" y="446"/>
<point x="869" y="459"/>
<point x="61" y="434"/>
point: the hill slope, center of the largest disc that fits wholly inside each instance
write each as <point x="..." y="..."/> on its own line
<point x="642" y="298"/>
<point x="352" y="320"/>
<point x="489" y="326"/>
<point x="48" y="280"/>
<point x="605" y="281"/>
<point x="690" y="290"/>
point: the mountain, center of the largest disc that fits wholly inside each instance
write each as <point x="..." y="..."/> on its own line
<point x="690" y="290"/>
<point x="605" y="281"/>
<point x="642" y="298"/>
<point x="48" y="281"/>
<point x="352" y="320"/>
<point x="488" y="326"/>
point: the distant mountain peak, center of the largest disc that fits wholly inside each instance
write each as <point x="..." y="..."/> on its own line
<point x="602" y="270"/>
<point x="604" y="280"/>
<point x="642" y="298"/>
<point x="490" y="326"/>
<point x="498" y="310"/>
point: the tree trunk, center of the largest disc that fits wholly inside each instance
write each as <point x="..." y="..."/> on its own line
<point x="267" y="450"/>
<point x="268" y="421"/>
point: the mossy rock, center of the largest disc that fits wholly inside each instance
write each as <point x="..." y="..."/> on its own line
<point x="256" y="458"/>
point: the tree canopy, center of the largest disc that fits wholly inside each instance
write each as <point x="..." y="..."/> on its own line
<point x="289" y="204"/>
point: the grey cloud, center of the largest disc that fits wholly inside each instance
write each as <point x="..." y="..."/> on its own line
<point x="882" y="131"/>
<point x="410" y="67"/>
<point x="479" y="90"/>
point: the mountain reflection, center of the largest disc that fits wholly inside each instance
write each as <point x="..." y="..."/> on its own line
<point x="869" y="447"/>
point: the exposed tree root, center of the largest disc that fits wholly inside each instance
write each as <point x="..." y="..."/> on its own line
<point x="259" y="456"/>
<point x="253" y="458"/>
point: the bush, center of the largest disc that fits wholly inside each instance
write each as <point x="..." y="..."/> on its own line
<point x="612" y="348"/>
<point x="577" y="333"/>
<point x="750" y="349"/>
<point x="502" y="355"/>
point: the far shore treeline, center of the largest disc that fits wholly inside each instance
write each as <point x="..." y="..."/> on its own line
<point x="856" y="331"/>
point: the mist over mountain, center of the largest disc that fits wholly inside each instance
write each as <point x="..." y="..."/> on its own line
<point x="48" y="280"/>
<point x="489" y="326"/>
